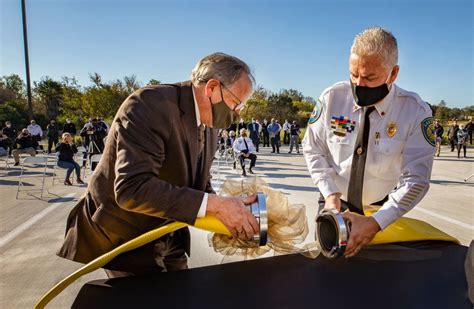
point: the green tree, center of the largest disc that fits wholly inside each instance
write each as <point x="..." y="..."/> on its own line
<point x="49" y="95"/>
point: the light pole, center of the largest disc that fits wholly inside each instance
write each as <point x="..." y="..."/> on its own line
<point x="27" y="62"/>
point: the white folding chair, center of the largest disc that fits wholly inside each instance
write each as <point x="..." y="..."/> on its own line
<point x="32" y="163"/>
<point x="93" y="159"/>
<point x="81" y="149"/>
<point x="7" y="165"/>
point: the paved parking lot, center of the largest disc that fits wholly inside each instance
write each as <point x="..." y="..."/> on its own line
<point x="32" y="229"/>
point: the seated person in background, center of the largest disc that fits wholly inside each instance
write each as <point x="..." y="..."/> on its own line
<point x="66" y="150"/>
<point x="244" y="149"/>
<point x="4" y="144"/>
<point x="27" y="145"/>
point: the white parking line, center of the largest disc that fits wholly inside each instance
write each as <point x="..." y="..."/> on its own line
<point x="459" y="223"/>
<point x="30" y="222"/>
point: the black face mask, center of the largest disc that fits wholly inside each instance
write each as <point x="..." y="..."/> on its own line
<point x="366" y="96"/>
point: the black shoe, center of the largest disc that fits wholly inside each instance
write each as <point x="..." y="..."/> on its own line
<point x="234" y="165"/>
<point x="289" y="151"/>
<point x="79" y="181"/>
<point x="250" y="171"/>
<point x="273" y="151"/>
<point x="16" y="164"/>
<point x="67" y="182"/>
<point x="244" y="173"/>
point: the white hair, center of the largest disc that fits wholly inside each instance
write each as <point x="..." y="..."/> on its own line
<point x="225" y="68"/>
<point x="377" y="41"/>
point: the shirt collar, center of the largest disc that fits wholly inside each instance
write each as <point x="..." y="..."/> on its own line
<point x="383" y="106"/>
<point x="196" y="107"/>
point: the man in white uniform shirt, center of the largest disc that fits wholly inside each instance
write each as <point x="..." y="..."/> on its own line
<point x="389" y="161"/>
<point x="35" y="131"/>
<point x="244" y="149"/>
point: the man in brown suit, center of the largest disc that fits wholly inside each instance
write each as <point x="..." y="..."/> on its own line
<point x="155" y="169"/>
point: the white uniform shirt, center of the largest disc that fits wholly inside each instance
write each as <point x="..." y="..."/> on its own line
<point x="239" y="145"/>
<point x="286" y="126"/>
<point x="400" y="148"/>
<point x="35" y="130"/>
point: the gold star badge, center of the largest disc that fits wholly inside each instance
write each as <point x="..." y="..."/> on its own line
<point x="392" y="129"/>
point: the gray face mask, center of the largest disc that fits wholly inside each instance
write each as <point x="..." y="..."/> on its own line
<point x="222" y="115"/>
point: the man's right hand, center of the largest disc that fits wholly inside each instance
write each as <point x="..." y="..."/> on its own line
<point x="234" y="215"/>
<point x="333" y="201"/>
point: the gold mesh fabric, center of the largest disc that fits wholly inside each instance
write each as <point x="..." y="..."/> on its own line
<point x="287" y="225"/>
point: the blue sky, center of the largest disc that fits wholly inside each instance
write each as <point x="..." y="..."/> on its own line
<point x="302" y="45"/>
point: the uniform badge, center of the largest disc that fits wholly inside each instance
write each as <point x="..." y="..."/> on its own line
<point x="316" y="113"/>
<point x="342" y="125"/>
<point x="392" y="129"/>
<point x="427" y="127"/>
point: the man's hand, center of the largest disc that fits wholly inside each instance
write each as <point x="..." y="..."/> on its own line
<point x="235" y="216"/>
<point x="333" y="201"/>
<point x="362" y="231"/>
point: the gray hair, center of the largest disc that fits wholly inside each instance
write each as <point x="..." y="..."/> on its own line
<point x="225" y="68"/>
<point x="377" y="41"/>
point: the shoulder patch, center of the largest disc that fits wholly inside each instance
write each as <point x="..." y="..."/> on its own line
<point x="427" y="127"/>
<point x="316" y="113"/>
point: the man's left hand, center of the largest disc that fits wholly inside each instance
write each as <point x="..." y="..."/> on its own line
<point x="363" y="230"/>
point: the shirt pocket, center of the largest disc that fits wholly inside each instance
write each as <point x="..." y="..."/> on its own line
<point x="387" y="157"/>
<point x="341" y="148"/>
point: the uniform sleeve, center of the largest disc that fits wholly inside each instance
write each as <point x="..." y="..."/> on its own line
<point x="414" y="182"/>
<point x="316" y="151"/>
<point x="235" y="147"/>
<point x="143" y="129"/>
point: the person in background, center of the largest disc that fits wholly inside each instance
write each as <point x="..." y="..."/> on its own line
<point x="265" y="136"/>
<point x="69" y="127"/>
<point x="469" y="128"/>
<point x="35" y="131"/>
<point x="438" y="132"/>
<point x="295" y="137"/>
<point x="241" y="125"/>
<point x="279" y="133"/>
<point x="453" y="134"/>
<point x="274" y="133"/>
<point x="4" y="144"/>
<point x="244" y="149"/>
<point x="10" y="131"/>
<point x="103" y="124"/>
<point x="53" y="135"/>
<point x="66" y="150"/>
<point x="27" y="143"/>
<point x="286" y="132"/>
<point x="253" y="129"/>
<point x="462" y="137"/>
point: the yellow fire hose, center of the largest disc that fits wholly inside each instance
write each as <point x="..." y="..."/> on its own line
<point x="404" y="229"/>
<point x="208" y="223"/>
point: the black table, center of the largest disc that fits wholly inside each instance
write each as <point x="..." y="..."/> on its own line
<point x="393" y="276"/>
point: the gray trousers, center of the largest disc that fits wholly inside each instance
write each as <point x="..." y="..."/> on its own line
<point x="295" y="140"/>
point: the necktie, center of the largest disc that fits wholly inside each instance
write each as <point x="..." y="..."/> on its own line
<point x="246" y="146"/>
<point x="201" y="138"/>
<point x="356" y="181"/>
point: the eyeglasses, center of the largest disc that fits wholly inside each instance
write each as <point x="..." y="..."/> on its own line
<point x="238" y="106"/>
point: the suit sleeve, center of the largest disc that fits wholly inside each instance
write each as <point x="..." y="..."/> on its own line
<point x="414" y="182"/>
<point x="144" y="126"/>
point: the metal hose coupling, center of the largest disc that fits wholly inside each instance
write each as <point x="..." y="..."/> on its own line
<point x="259" y="211"/>
<point x="332" y="233"/>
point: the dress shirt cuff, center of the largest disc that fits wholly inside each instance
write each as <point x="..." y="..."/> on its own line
<point x="327" y="186"/>
<point x="386" y="216"/>
<point x="203" y="208"/>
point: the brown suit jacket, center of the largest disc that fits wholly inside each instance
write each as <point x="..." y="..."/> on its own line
<point x="147" y="175"/>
